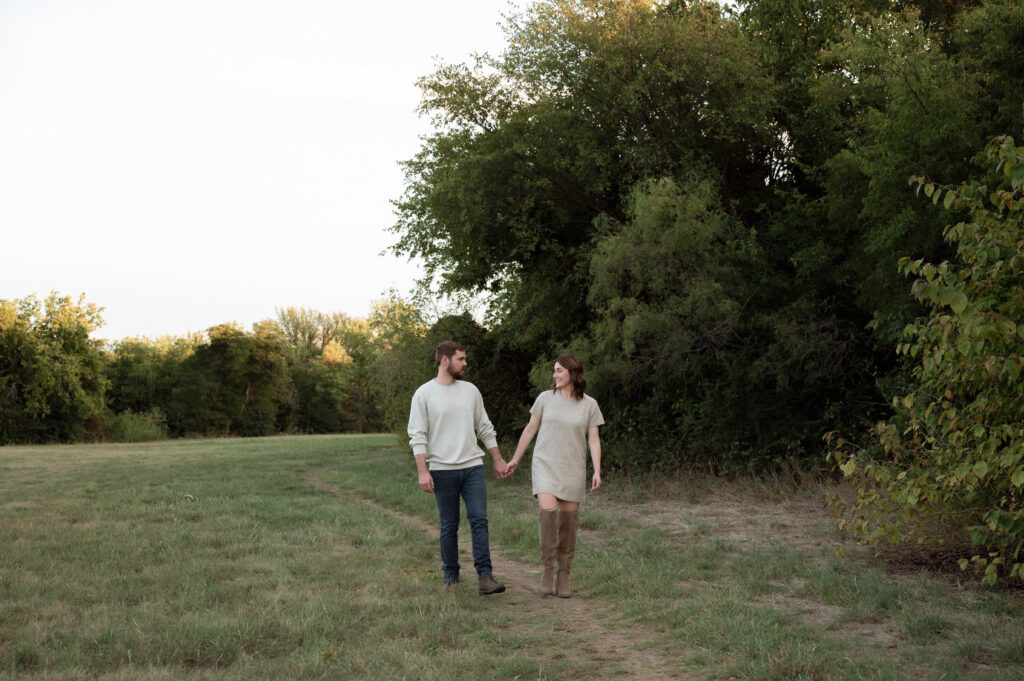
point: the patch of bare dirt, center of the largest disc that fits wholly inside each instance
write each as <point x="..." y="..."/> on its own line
<point x="631" y="648"/>
<point x="794" y="520"/>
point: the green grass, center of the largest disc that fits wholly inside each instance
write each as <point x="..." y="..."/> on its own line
<point x="216" y="559"/>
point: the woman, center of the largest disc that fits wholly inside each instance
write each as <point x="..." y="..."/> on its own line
<point x="565" y="421"/>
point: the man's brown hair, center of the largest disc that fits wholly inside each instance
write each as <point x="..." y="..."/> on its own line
<point x="447" y="349"/>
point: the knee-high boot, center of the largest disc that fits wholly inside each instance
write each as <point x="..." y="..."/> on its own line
<point x="568" y="522"/>
<point x="548" y="523"/>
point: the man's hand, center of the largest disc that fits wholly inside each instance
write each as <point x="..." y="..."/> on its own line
<point x="501" y="469"/>
<point x="426" y="482"/>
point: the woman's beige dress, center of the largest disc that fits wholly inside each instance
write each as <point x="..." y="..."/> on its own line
<point x="560" y="455"/>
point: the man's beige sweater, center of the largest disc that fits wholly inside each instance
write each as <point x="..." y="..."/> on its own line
<point x="445" y="422"/>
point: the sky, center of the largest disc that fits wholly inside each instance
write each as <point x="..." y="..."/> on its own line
<point x="196" y="162"/>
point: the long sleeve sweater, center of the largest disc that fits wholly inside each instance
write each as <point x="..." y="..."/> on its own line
<point x="445" y="422"/>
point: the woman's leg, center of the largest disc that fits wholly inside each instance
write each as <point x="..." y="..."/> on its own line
<point x="568" y="522"/>
<point x="550" y="502"/>
<point x="562" y="518"/>
<point x="547" y="502"/>
<point x="547" y="522"/>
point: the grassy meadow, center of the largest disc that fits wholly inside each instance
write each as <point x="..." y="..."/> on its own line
<point x="219" y="559"/>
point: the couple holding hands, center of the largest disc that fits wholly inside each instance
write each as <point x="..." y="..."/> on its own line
<point x="447" y="418"/>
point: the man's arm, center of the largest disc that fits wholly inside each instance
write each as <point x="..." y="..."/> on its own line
<point x="418" y="423"/>
<point x="486" y="433"/>
<point x="426" y="481"/>
<point x="500" y="467"/>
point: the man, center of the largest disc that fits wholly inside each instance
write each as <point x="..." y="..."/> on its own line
<point x="445" y="421"/>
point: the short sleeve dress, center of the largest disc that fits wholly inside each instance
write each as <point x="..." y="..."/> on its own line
<point x="560" y="455"/>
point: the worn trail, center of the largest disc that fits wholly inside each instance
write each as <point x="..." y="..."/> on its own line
<point x="625" y="647"/>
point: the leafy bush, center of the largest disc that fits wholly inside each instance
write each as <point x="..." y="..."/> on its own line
<point x="954" y="448"/>
<point x="129" y="426"/>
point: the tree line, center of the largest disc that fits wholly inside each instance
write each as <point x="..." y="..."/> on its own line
<point x="304" y="371"/>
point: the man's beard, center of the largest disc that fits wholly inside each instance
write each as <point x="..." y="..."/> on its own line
<point x="458" y="376"/>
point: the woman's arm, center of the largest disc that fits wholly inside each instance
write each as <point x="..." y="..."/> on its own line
<point x="594" y="440"/>
<point x="525" y="439"/>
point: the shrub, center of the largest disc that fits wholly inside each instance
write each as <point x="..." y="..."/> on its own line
<point x="129" y="426"/>
<point x="953" y="451"/>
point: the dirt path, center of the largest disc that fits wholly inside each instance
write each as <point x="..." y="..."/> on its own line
<point x="608" y="642"/>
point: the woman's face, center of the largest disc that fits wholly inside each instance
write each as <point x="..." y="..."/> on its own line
<point x="562" y="376"/>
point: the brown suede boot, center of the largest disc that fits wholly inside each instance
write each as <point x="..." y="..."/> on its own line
<point x="548" y="522"/>
<point x="568" y="522"/>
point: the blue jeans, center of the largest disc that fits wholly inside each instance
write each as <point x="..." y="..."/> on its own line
<point x="470" y="484"/>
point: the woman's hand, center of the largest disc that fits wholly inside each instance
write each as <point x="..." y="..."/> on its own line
<point x="595" y="482"/>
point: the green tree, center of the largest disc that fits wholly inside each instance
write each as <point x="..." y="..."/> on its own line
<point x="589" y="98"/>
<point x="141" y="370"/>
<point x="322" y="390"/>
<point x="693" y="349"/>
<point x="399" y="363"/>
<point x="866" y="93"/>
<point x="329" y="367"/>
<point x="302" y="328"/>
<point x="236" y="383"/>
<point x="52" y="383"/>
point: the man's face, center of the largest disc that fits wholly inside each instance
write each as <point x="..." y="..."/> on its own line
<point x="457" y="365"/>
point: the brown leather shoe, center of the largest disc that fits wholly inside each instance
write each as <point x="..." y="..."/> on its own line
<point x="489" y="585"/>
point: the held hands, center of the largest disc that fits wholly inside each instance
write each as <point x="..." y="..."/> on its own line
<point x="501" y="469"/>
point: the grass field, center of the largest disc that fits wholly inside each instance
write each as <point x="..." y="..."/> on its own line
<point x="316" y="557"/>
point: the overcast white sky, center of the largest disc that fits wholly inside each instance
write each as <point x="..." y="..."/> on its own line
<point x="196" y="162"/>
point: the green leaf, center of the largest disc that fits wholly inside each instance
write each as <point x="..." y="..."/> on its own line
<point x="1011" y="369"/>
<point x="959" y="302"/>
<point x="1017" y="479"/>
<point x="950" y="198"/>
<point x="929" y="189"/>
<point x="980" y="469"/>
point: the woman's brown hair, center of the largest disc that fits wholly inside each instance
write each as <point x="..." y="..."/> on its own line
<point x="574" y="366"/>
